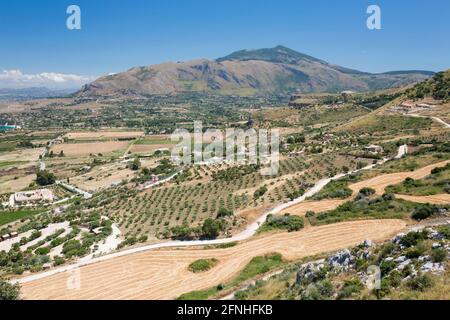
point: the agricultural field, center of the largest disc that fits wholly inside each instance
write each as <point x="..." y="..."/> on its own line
<point x="139" y="200"/>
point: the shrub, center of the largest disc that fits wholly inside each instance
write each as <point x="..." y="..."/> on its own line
<point x="224" y="212"/>
<point x="45" y="178"/>
<point x="202" y="265"/>
<point x="350" y="287"/>
<point x="42" y="251"/>
<point x="413" y="238"/>
<point x="438" y="255"/>
<point x="420" y="283"/>
<point x="423" y="212"/>
<point x="287" y="222"/>
<point x="9" y="291"/>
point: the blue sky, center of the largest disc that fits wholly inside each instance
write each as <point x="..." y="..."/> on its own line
<point x="117" y="35"/>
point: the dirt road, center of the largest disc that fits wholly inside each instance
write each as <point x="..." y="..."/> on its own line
<point x="164" y="274"/>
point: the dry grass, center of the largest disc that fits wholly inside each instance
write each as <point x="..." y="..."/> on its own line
<point x="85" y="149"/>
<point x="164" y="274"/>
<point x="104" y="135"/>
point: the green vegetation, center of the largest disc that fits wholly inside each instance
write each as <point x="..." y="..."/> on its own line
<point x="233" y="173"/>
<point x="202" y="265"/>
<point x="45" y="178"/>
<point x="11" y="216"/>
<point x="401" y="262"/>
<point x="258" y="265"/>
<point x="436" y="183"/>
<point x="9" y="291"/>
<point x="285" y="222"/>
<point x="385" y="207"/>
<point x="6" y="164"/>
<point x="259" y="192"/>
<point x="437" y="87"/>
<point x="336" y="189"/>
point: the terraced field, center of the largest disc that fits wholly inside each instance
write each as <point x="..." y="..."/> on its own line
<point x="164" y="274"/>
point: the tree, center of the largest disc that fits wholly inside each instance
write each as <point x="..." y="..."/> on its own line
<point x="135" y="165"/>
<point x="9" y="291"/>
<point x="45" y="178"/>
<point x="224" y="212"/>
<point x="211" y="228"/>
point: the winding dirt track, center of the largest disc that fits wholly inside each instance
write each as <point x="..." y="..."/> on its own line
<point x="378" y="183"/>
<point x="163" y="274"/>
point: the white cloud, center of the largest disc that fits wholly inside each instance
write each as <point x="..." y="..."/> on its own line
<point x="18" y="79"/>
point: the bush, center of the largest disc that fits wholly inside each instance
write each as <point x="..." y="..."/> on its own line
<point x="9" y="291"/>
<point x="211" y="228"/>
<point x="287" y="222"/>
<point x="420" y="283"/>
<point x="350" y="287"/>
<point x="438" y="255"/>
<point x="413" y="238"/>
<point x="45" y="178"/>
<point x="42" y="251"/>
<point x="423" y="212"/>
<point x="224" y="212"/>
<point x="202" y="265"/>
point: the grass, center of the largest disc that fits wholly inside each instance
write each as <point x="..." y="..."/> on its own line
<point x="336" y="189"/>
<point x="221" y="245"/>
<point x="365" y="209"/>
<point x="154" y="141"/>
<point x="202" y="265"/>
<point x="5" y="164"/>
<point x="286" y="222"/>
<point x="436" y="183"/>
<point x="374" y="123"/>
<point x="258" y="265"/>
<point x="8" y="217"/>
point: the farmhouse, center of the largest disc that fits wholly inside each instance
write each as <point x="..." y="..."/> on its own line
<point x="34" y="196"/>
<point x="406" y="105"/>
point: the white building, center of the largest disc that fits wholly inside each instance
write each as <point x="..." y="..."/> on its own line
<point x="33" y="196"/>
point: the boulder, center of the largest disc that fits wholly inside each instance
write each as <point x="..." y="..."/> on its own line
<point x="308" y="272"/>
<point x="397" y="238"/>
<point x="424" y="258"/>
<point x="401" y="259"/>
<point x="403" y="265"/>
<point x="435" y="268"/>
<point x="367" y="244"/>
<point x="342" y="260"/>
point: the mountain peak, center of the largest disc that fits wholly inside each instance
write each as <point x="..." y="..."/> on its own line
<point x="278" y="54"/>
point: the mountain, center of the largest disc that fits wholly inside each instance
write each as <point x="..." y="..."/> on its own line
<point x="32" y="93"/>
<point x="275" y="71"/>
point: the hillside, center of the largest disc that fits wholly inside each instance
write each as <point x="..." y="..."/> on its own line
<point x="275" y="71"/>
<point x="435" y="89"/>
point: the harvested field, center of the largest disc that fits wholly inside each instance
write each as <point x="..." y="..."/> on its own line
<point x="102" y="177"/>
<point x="10" y="184"/>
<point x="104" y="135"/>
<point x="84" y="149"/>
<point x="434" y="199"/>
<point x="164" y="274"/>
<point x="149" y="148"/>
<point x="30" y="155"/>
<point x="379" y="183"/>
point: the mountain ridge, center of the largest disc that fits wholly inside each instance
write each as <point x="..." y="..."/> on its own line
<point x="278" y="70"/>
